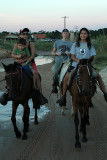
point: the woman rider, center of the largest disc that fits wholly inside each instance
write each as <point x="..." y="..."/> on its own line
<point x="81" y="49"/>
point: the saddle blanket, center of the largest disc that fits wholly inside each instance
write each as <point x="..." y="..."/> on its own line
<point x="63" y="71"/>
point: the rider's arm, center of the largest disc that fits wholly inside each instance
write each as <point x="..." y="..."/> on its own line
<point x="74" y="58"/>
<point x="91" y="58"/>
<point x="13" y="53"/>
<point x="32" y="52"/>
<point x="67" y="52"/>
<point x="54" y="51"/>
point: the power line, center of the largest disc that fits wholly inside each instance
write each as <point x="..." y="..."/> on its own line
<point x="64" y="21"/>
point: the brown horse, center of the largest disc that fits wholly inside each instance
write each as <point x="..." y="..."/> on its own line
<point x="82" y="89"/>
<point x="19" y="85"/>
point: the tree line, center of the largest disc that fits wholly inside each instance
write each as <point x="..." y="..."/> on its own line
<point x="57" y="34"/>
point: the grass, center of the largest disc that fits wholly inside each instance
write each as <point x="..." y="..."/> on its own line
<point x="43" y="46"/>
<point x="8" y="45"/>
<point x="100" y="61"/>
<point x="100" y="44"/>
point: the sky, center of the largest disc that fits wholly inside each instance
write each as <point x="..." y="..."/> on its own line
<point x="48" y="15"/>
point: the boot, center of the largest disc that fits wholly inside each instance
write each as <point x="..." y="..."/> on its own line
<point x="62" y="101"/>
<point x="4" y="99"/>
<point x="42" y="99"/>
<point x="54" y="90"/>
<point x="105" y="96"/>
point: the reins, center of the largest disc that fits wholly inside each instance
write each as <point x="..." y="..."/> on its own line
<point x="78" y="80"/>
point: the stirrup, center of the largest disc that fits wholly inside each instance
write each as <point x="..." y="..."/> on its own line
<point x="54" y="90"/>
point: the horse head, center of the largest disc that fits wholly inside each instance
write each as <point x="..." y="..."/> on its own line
<point x="12" y="78"/>
<point x="84" y="77"/>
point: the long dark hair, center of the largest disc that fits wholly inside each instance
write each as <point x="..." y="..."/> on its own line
<point x="87" y="40"/>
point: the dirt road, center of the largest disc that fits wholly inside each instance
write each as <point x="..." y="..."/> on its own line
<point x="54" y="137"/>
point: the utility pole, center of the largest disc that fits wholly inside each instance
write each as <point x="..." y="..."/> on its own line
<point x="64" y="21"/>
<point x="76" y="29"/>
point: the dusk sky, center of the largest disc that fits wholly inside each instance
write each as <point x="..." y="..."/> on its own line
<point x="46" y="14"/>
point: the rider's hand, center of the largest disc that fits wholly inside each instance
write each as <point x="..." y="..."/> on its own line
<point x="23" y="64"/>
<point x="19" y="56"/>
<point x="58" y="53"/>
<point x="67" y="52"/>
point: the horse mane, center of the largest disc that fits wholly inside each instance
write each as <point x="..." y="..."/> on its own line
<point x="84" y="62"/>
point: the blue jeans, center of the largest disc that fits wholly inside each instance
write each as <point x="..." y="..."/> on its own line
<point x="59" y="60"/>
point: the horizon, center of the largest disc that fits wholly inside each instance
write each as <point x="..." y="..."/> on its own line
<point x="48" y="15"/>
<point x="53" y="31"/>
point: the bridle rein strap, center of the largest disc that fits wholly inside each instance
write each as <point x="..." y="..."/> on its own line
<point x="15" y="73"/>
<point x="78" y="75"/>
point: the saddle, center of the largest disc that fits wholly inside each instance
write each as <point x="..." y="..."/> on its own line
<point x="63" y="71"/>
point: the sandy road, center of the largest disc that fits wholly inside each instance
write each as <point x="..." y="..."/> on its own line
<point x="54" y="137"/>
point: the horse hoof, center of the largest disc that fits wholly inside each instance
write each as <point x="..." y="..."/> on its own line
<point x="24" y="137"/>
<point x="84" y="140"/>
<point x="36" y="122"/>
<point x="77" y="145"/>
<point x="18" y="135"/>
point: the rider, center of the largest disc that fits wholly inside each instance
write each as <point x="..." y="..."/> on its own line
<point x="81" y="49"/>
<point x="60" y="50"/>
<point x="30" y="60"/>
<point x="21" y="53"/>
<point x="24" y="33"/>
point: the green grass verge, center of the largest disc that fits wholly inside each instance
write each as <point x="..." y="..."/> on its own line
<point x="100" y="61"/>
<point x="43" y="46"/>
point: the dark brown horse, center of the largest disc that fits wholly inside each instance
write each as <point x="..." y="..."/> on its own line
<point x="19" y="85"/>
<point x="82" y="89"/>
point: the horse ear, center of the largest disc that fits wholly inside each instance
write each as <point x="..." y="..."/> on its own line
<point x="4" y="66"/>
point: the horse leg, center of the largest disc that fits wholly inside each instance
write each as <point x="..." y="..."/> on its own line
<point x="25" y="120"/>
<point x="87" y="117"/>
<point x="13" y="119"/>
<point x="72" y="110"/>
<point x="84" y="118"/>
<point x="27" y="117"/>
<point x="81" y="125"/>
<point x="35" y="106"/>
<point x="36" y="117"/>
<point x="76" y="121"/>
<point x="63" y="111"/>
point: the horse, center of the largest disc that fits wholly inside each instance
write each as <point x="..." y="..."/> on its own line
<point x="19" y="84"/>
<point x="82" y="89"/>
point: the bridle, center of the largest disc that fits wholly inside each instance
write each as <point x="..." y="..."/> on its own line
<point x="78" y="77"/>
<point x="10" y="76"/>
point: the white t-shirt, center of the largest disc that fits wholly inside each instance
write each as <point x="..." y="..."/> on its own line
<point x="82" y="52"/>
